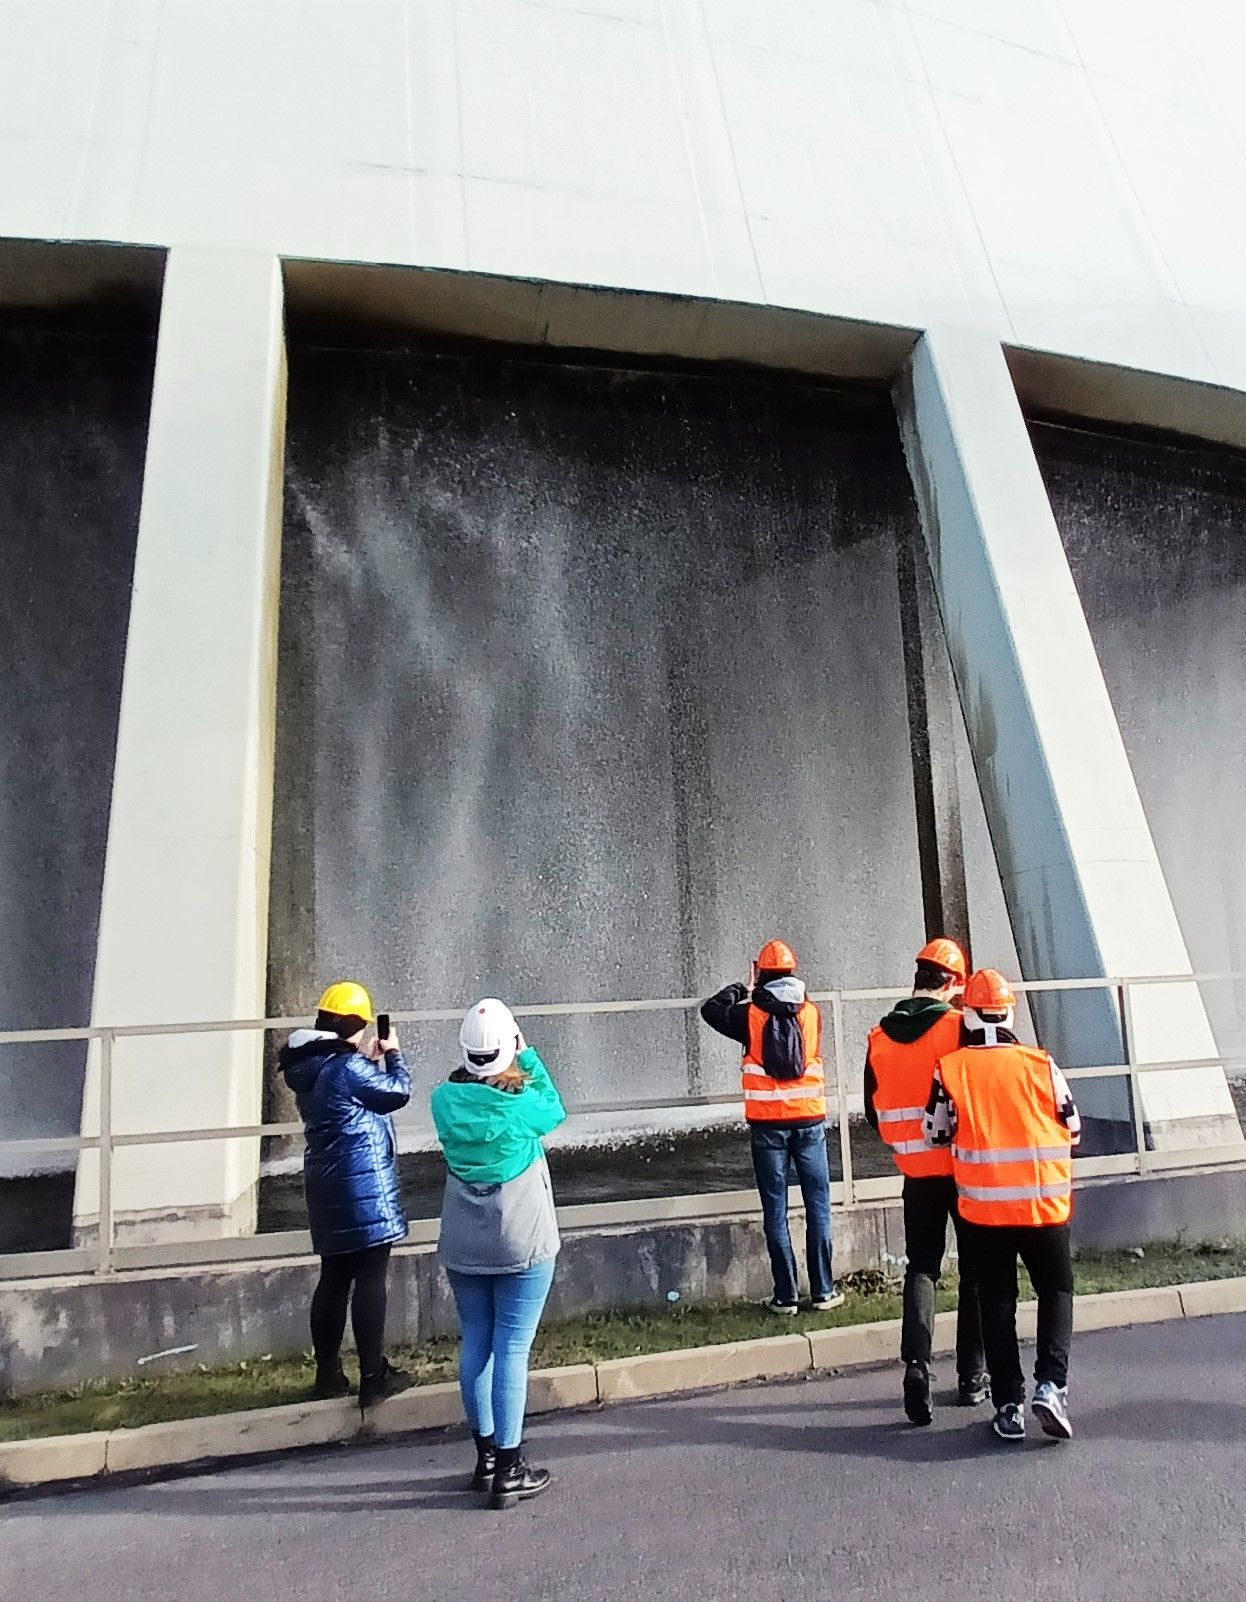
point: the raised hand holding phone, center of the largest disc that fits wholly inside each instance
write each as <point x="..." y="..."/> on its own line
<point x="386" y="1039"/>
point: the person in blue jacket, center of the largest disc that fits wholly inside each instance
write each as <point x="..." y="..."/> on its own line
<point x="350" y="1177"/>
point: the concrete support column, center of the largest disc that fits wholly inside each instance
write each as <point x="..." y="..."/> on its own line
<point x="1081" y="878"/>
<point x="183" y="921"/>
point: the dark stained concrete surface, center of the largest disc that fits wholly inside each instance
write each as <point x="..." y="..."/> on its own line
<point x="785" y="1493"/>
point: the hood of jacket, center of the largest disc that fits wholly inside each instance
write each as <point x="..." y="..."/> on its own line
<point x="909" y="1019"/>
<point x="782" y="998"/>
<point x="305" y="1054"/>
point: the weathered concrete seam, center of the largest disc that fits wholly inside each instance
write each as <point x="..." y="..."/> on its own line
<point x="61" y="1459"/>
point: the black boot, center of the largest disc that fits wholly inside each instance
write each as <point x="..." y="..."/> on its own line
<point x="513" y="1480"/>
<point x="374" y="1388"/>
<point x="486" y="1462"/>
<point x="917" y="1393"/>
<point x="331" y="1385"/>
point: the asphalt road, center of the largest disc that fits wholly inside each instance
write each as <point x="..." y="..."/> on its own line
<point x="811" y="1490"/>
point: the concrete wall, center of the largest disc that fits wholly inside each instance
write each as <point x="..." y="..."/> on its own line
<point x="185" y="896"/>
<point x="1083" y="882"/>
<point x="56" y="1333"/>
<point x="1063" y="176"/>
<point x="1154" y="535"/>
<point x="478" y="554"/>
<point x="1064" y="173"/>
<point x="74" y="398"/>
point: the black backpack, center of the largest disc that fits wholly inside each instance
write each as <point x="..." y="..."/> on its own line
<point x="783" y="1047"/>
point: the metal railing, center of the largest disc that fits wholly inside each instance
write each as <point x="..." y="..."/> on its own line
<point x="104" y="1255"/>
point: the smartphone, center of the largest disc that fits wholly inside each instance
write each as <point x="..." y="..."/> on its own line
<point x="382" y="1026"/>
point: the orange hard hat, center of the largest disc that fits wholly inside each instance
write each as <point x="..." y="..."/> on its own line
<point x="945" y="954"/>
<point x="989" y="991"/>
<point x="776" y="956"/>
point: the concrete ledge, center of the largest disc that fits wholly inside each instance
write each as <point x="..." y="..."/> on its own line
<point x="1213" y="1296"/>
<point x="424" y="1407"/>
<point x="55" y="1457"/>
<point x="1110" y="1309"/>
<point x="63" y="1458"/>
<point x="225" y="1435"/>
<point x="550" y="1390"/>
<point x="854" y="1344"/>
<point x="700" y="1367"/>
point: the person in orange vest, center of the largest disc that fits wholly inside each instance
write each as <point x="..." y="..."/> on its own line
<point x="1007" y="1114"/>
<point x="780" y="1032"/>
<point x="903" y="1053"/>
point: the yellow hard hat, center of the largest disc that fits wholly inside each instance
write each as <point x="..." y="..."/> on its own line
<point x="346" y="999"/>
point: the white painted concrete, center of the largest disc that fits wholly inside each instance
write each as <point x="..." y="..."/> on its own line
<point x="1084" y="887"/>
<point x="183" y="922"/>
<point x="1062" y="174"/>
<point x="1066" y="173"/>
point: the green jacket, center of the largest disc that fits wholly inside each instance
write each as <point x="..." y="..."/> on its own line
<point x="489" y="1136"/>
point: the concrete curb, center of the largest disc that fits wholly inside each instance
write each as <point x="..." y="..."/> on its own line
<point x="64" y="1459"/>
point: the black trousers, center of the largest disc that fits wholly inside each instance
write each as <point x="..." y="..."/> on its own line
<point x="928" y="1205"/>
<point x="364" y="1273"/>
<point x="1044" y="1249"/>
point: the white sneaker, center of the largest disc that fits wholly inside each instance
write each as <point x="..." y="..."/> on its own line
<point x="828" y="1304"/>
<point x="783" y="1309"/>
<point x="1051" y="1409"/>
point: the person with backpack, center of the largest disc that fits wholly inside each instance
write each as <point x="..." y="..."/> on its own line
<point x="779" y="1031"/>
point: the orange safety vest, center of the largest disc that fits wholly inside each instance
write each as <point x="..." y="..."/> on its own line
<point x="1011" y="1155"/>
<point x="783" y="1101"/>
<point x="903" y="1075"/>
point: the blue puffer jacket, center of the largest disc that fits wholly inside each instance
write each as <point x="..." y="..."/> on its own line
<point x="350" y="1171"/>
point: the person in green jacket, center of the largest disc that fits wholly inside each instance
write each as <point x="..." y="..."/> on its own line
<point x="499" y="1233"/>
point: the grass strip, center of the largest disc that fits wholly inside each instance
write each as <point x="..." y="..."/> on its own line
<point x="271" y="1381"/>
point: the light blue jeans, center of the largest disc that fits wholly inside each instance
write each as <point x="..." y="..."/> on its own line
<point x="498" y="1314"/>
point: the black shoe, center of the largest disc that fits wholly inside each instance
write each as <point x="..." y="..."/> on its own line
<point x="917" y="1393"/>
<point x="374" y="1388"/>
<point x="514" y="1481"/>
<point x="331" y="1386"/>
<point x="973" y="1392"/>
<point x="486" y="1462"/>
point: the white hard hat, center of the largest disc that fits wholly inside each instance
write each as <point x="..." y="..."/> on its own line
<point x="489" y="1038"/>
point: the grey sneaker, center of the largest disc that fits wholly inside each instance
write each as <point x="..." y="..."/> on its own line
<point x="1009" y="1422"/>
<point x="828" y="1304"/>
<point x="784" y="1309"/>
<point x="1051" y="1409"/>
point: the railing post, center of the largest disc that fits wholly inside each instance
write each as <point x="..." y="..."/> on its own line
<point x="104" y="1241"/>
<point x="1135" y="1088"/>
<point x="841" y="1096"/>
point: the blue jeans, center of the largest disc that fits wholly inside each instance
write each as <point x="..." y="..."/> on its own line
<point x="498" y="1314"/>
<point x="775" y="1153"/>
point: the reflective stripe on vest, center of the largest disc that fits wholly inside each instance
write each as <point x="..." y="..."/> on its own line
<point x="784" y="1101"/>
<point x="1013" y="1193"/>
<point x="1012" y="1156"/>
<point x="903" y="1074"/>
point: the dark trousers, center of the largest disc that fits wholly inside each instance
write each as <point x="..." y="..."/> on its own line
<point x="777" y="1151"/>
<point x="357" y="1280"/>
<point x="928" y="1206"/>
<point x="1044" y="1249"/>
